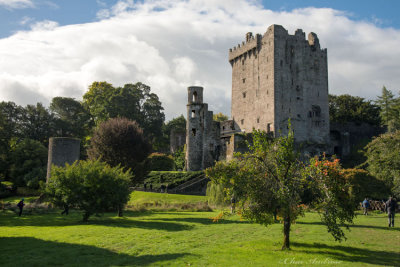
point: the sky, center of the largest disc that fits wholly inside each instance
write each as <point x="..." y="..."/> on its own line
<point x="54" y="48"/>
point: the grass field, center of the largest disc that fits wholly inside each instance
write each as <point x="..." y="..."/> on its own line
<point x="188" y="239"/>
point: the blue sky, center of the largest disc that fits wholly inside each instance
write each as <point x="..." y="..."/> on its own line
<point x="54" y="48"/>
<point x="384" y="13"/>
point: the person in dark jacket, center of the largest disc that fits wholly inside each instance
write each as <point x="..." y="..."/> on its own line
<point x="66" y="209"/>
<point x="391" y="206"/>
<point x="20" y="205"/>
<point x="365" y="205"/>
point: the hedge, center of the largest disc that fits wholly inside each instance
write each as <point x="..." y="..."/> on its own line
<point x="170" y="178"/>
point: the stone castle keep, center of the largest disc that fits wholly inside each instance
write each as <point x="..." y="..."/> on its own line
<point x="275" y="77"/>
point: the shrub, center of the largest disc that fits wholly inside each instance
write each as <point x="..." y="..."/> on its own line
<point x="160" y="162"/>
<point x="120" y="141"/>
<point x="91" y="186"/>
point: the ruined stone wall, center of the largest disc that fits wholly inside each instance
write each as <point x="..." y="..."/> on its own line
<point x="279" y="76"/>
<point x="177" y="140"/>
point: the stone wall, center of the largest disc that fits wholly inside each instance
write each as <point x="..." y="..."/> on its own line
<point x="62" y="150"/>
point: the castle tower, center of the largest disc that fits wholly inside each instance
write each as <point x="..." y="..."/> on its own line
<point x="276" y="77"/>
<point x="202" y="133"/>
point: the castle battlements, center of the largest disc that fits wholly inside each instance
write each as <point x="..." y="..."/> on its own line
<point x="248" y="45"/>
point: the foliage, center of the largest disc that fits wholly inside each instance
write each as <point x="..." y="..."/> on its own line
<point x="179" y="159"/>
<point x="383" y="160"/>
<point x="160" y="162"/>
<point x="37" y="123"/>
<point x="365" y="185"/>
<point x="220" y="117"/>
<point x="170" y="178"/>
<point x="390" y="110"/>
<point x="347" y="108"/>
<point x="92" y="186"/>
<point x="28" y="163"/>
<point x="176" y="125"/>
<point x="132" y="101"/>
<point x="216" y="194"/>
<point x="72" y="119"/>
<point x="120" y="141"/>
<point x="270" y="178"/>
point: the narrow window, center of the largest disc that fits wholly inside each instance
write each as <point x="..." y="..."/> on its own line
<point x="242" y="121"/>
<point x="193" y="113"/>
<point x="258" y="120"/>
<point x="244" y="95"/>
<point x="268" y="127"/>
<point x="244" y="80"/>
<point x="194" y="132"/>
<point x="194" y="97"/>
<point x="281" y="63"/>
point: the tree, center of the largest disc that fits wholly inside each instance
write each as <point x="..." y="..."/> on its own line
<point x="37" y="123"/>
<point x="383" y="160"/>
<point x="120" y="141"/>
<point x="91" y="186"/>
<point x="347" y="108"/>
<point x="220" y="117"/>
<point x="132" y="101"/>
<point x="73" y="120"/>
<point x="28" y="163"/>
<point x="270" y="178"/>
<point x="390" y="110"/>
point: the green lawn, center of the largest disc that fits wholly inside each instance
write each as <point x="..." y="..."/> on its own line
<point x="188" y="238"/>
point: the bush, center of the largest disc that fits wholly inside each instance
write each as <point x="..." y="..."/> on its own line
<point x="170" y="178"/>
<point x="365" y="185"/>
<point x="120" y="141"/>
<point x="160" y="162"/>
<point x="91" y="186"/>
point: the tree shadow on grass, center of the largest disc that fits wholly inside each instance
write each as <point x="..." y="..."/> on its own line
<point x="57" y="220"/>
<point x="205" y="221"/>
<point x="355" y="226"/>
<point x="350" y="254"/>
<point x="28" y="251"/>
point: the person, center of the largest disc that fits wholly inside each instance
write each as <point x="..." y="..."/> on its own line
<point x="66" y="209"/>
<point x="145" y="186"/>
<point x="391" y="205"/>
<point x="233" y="204"/>
<point x="151" y="187"/>
<point x="20" y="205"/>
<point x="365" y="205"/>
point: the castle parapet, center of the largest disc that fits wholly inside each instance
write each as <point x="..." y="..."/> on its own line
<point x="250" y="44"/>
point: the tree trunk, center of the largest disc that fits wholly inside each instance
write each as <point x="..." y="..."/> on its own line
<point x="86" y="216"/>
<point x="120" y="209"/>
<point x="286" y="232"/>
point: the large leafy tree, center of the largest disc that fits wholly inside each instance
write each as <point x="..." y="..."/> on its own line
<point x="28" y="161"/>
<point x="383" y="160"/>
<point x="92" y="186"/>
<point x="270" y="178"/>
<point x="38" y="123"/>
<point x="132" y="101"/>
<point x="120" y="141"/>
<point x="72" y="119"/>
<point x="220" y="117"/>
<point x="347" y="108"/>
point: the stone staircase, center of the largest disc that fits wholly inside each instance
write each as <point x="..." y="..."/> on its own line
<point x="195" y="186"/>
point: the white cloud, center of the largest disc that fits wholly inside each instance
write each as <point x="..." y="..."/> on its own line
<point x="171" y="45"/>
<point x="15" y="4"/>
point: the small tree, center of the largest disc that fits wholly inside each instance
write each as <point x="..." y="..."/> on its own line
<point x="270" y="178"/>
<point x="120" y="141"/>
<point x="92" y="186"/>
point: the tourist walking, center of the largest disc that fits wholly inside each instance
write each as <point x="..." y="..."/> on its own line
<point x="20" y="205"/>
<point x="391" y="206"/>
<point x="365" y="205"/>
